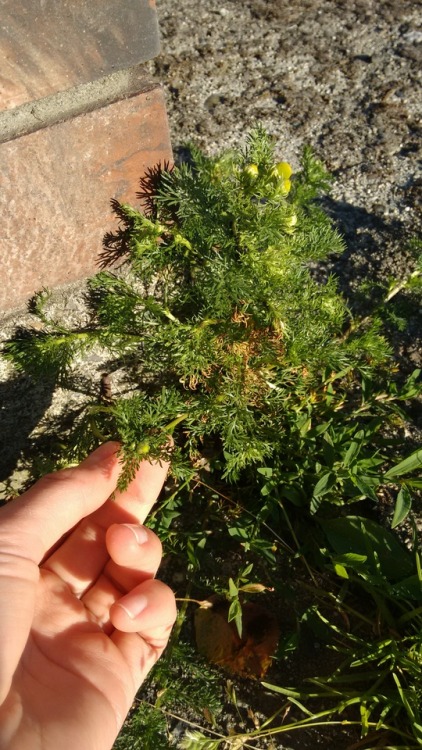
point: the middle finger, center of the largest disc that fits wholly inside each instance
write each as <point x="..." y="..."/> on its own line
<point x="135" y="555"/>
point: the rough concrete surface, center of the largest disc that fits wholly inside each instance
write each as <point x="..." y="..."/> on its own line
<point x="343" y="76"/>
<point x="340" y="75"/>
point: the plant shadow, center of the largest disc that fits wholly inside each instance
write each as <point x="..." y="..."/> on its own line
<point x="378" y="251"/>
<point x="24" y="402"/>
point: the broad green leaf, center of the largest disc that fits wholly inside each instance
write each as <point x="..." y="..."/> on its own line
<point x="402" y="508"/>
<point x="238" y="532"/>
<point x="340" y="570"/>
<point x="328" y="452"/>
<point x="315" y="504"/>
<point x="411" y="463"/>
<point x="305" y="426"/>
<point x="319" y="429"/>
<point x="321" y="488"/>
<point x="235" y="613"/>
<point x="266" y="471"/>
<point x="247" y="570"/>
<point x="324" y="485"/>
<point x="370" y="463"/>
<point x="353" y="534"/>
<point x="234" y="610"/>
<point x="350" y="558"/>
<point x="412" y="387"/>
<point x="408" y="588"/>
<point x="233" y="590"/>
<point x="294" y="495"/>
<point x="351" y="453"/>
<point x="365" y="485"/>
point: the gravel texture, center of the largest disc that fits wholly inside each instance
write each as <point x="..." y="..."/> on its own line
<point x="340" y="75"/>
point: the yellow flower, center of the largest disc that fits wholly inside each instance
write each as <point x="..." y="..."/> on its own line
<point x="282" y="171"/>
<point x="285" y="187"/>
<point x="251" y="170"/>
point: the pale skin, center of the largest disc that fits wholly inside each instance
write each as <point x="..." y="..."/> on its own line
<point x="82" y="618"/>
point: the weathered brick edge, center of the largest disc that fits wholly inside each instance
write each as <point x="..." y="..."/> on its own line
<point x="47" y="47"/>
<point x="79" y="124"/>
<point x="56" y="186"/>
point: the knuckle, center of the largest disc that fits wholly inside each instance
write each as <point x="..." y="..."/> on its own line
<point x="62" y="475"/>
<point x="66" y="479"/>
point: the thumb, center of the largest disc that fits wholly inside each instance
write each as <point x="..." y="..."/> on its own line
<point x="18" y="585"/>
<point x="30" y="525"/>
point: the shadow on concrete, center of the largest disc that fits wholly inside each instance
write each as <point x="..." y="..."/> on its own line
<point x="377" y="251"/>
<point x="23" y="402"/>
<point x="375" y="248"/>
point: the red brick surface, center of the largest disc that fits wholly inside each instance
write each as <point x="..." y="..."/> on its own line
<point x="48" y="46"/>
<point x="56" y="185"/>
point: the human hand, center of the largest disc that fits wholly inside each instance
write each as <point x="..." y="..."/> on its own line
<point x="82" y="619"/>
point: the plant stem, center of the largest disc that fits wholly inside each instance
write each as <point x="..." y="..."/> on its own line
<point x="296" y="541"/>
<point x="401" y="285"/>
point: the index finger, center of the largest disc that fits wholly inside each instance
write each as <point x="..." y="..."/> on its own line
<point x="58" y="501"/>
<point x="82" y="557"/>
<point x="134" y="504"/>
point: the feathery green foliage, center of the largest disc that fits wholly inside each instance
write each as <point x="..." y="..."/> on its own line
<point x="220" y="312"/>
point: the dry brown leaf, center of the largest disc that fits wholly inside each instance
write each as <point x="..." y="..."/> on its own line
<point x="218" y="640"/>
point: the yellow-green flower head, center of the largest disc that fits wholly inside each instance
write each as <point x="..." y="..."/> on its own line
<point x="291" y="220"/>
<point x="251" y="170"/>
<point x="282" y="171"/>
<point x="290" y="223"/>
<point x="180" y="240"/>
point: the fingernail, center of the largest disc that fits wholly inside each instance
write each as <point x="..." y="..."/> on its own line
<point x="134" y="606"/>
<point x="139" y="532"/>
